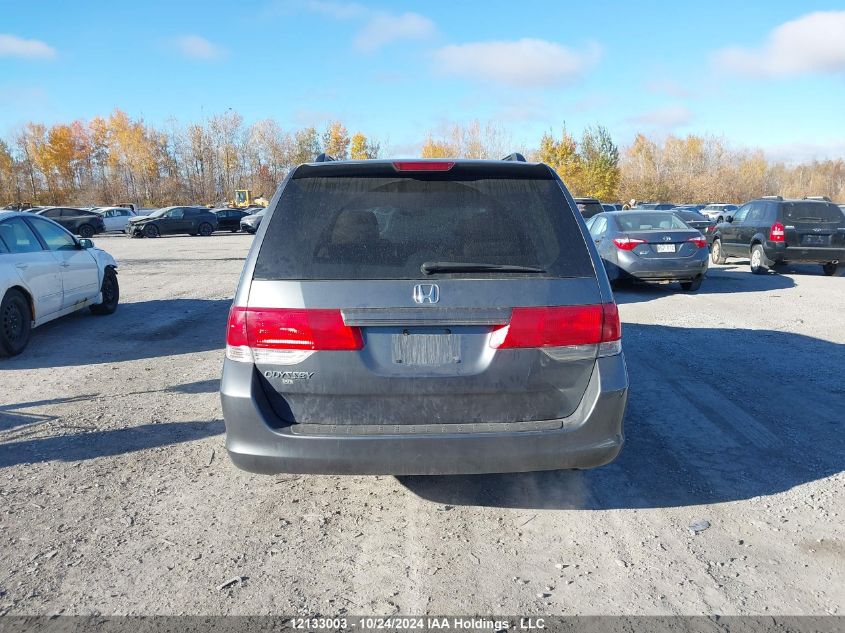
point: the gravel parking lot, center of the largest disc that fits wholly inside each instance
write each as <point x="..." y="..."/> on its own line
<point x="117" y="497"/>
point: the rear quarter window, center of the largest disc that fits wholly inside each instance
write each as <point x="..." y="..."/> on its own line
<point x="387" y="227"/>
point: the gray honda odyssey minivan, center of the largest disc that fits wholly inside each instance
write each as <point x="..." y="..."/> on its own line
<point x="423" y="317"/>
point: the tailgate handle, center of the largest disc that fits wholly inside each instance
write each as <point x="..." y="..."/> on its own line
<point x="425" y="316"/>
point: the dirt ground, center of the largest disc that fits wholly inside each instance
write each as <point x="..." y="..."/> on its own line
<point x="117" y="496"/>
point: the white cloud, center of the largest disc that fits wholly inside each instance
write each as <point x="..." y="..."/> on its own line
<point x="380" y="27"/>
<point x="665" y="117"/>
<point x="13" y="46"/>
<point x="337" y="10"/>
<point x="385" y="28"/>
<point x="805" y="152"/>
<point x="525" y="63"/>
<point x="196" y="47"/>
<point x="813" y="43"/>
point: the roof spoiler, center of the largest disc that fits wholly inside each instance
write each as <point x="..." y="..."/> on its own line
<point x="516" y="157"/>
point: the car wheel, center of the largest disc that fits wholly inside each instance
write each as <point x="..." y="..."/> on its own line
<point x="716" y="255"/>
<point x="691" y="286"/>
<point x="206" y="229"/>
<point x="759" y="263"/>
<point x="15" y="323"/>
<point x="86" y="231"/>
<point x="111" y="294"/>
<point x="833" y="270"/>
<point x="151" y="230"/>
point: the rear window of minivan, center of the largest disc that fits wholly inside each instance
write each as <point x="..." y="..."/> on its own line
<point x="387" y="227"/>
<point x="812" y="212"/>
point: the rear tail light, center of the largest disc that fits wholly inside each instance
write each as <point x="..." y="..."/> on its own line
<point x="423" y="165"/>
<point x="699" y="241"/>
<point x="286" y="336"/>
<point x="777" y="233"/>
<point x="584" y="327"/>
<point x="627" y="243"/>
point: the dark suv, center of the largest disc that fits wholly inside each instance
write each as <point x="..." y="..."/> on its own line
<point x="423" y="317"/>
<point x="589" y="207"/>
<point x="173" y="220"/>
<point x="773" y="231"/>
<point x="77" y="221"/>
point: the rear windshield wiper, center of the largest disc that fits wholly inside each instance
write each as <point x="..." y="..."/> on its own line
<point x="429" y="268"/>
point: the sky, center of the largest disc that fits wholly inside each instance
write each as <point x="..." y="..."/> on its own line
<point x="762" y="74"/>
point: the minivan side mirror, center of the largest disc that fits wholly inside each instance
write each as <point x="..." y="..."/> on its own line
<point x="85" y="243"/>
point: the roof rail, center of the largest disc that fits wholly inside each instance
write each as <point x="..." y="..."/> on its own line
<point x="324" y="158"/>
<point x="771" y="197"/>
<point x="823" y="198"/>
<point x="516" y="157"/>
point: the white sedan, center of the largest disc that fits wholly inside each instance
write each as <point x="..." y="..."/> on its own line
<point x="115" y="218"/>
<point x="45" y="273"/>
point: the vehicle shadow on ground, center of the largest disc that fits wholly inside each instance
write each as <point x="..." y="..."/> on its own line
<point x="758" y="418"/>
<point x="104" y="443"/>
<point x="139" y="330"/>
<point x="13" y="416"/>
<point x="723" y="280"/>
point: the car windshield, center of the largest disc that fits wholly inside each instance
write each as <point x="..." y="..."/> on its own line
<point x="692" y="216"/>
<point x="159" y="212"/>
<point x="649" y="221"/>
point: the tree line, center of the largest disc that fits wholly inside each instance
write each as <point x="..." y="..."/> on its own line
<point x="117" y="159"/>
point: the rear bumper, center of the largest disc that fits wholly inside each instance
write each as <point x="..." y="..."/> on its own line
<point x="592" y="436"/>
<point x="779" y="252"/>
<point x="669" y="269"/>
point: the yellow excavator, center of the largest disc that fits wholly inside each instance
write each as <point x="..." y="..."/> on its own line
<point x="244" y="199"/>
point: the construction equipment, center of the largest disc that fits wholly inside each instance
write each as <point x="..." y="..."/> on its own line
<point x="244" y="199"/>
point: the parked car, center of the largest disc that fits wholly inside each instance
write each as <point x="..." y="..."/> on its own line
<point x="772" y="231"/>
<point x="172" y="221"/>
<point x="689" y="207"/>
<point x="697" y="221"/>
<point x="115" y="218"/>
<point x="423" y="317"/>
<point x="650" y="246"/>
<point x="611" y="206"/>
<point x="719" y="212"/>
<point x="655" y="206"/>
<point x="250" y="223"/>
<point x="45" y="273"/>
<point x="229" y="219"/>
<point x="588" y="206"/>
<point x="77" y="221"/>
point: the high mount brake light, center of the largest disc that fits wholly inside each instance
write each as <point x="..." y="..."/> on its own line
<point x="627" y="243"/>
<point x="423" y="165"/>
<point x="253" y="332"/>
<point x="777" y="233"/>
<point x="559" y="326"/>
